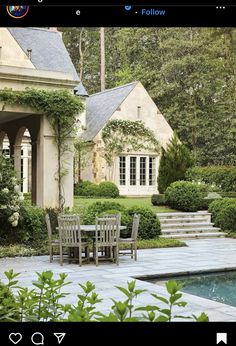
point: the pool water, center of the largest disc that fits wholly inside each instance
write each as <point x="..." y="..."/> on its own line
<point x="220" y="287"/>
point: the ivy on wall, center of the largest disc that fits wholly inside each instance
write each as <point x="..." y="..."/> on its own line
<point x="127" y="135"/>
<point x="61" y="108"/>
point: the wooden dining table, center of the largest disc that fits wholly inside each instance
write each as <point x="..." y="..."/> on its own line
<point x="89" y="230"/>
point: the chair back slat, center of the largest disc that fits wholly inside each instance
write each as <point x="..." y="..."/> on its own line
<point x="107" y="231"/>
<point x="69" y="229"/>
<point x="112" y="216"/>
<point x="49" y="228"/>
<point x="135" y="226"/>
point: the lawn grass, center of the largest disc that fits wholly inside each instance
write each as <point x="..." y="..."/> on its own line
<point x="83" y="202"/>
<point x="21" y="250"/>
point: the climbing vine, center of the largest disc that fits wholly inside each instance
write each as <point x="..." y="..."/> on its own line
<point x="61" y="109"/>
<point x="127" y="135"/>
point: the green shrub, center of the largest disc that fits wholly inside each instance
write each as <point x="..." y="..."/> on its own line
<point x="95" y="209"/>
<point x="224" y="213"/>
<point x="108" y="189"/>
<point x="149" y="226"/>
<point x="10" y="196"/>
<point x="32" y="227"/>
<point x="92" y="190"/>
<point x="186" y="196"/>
<point x="216" y="206"/>
<point x="7" y="304"/>
<point x="149" y="223"/>
<point x="126" y="220"/>
<point x="224" y="177"/>
<point x="104" y="189"/>
<point x="174" y="162"/>
<point x="158" y="199"/>
<point x="226" y="219"/>
<point x="80" y="187"/>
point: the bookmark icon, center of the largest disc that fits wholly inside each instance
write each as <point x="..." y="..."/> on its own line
<point x="60" y="337"/>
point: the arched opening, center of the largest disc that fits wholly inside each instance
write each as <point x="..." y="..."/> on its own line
<point x="23" y="159"/>
<point x="4" y="144"/>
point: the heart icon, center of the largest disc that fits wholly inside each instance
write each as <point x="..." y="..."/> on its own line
<point x="15" y="338"/>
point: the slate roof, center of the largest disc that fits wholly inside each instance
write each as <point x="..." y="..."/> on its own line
<point x="48" y="50"/>
<point x="80" y="90"/>
<point x="101" y="106"/>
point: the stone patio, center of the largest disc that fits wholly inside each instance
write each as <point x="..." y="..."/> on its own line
<point x="200" y="255"/>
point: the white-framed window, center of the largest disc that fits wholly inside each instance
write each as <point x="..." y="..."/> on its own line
<point x="133" y="170"/>
<point x="142" y="170"/>
<point x="122" y="170"/>
<point x="139" y="170"/>
<point x="152" y="171"/>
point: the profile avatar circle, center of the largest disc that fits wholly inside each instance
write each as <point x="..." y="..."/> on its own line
<point x="17" y="11"/>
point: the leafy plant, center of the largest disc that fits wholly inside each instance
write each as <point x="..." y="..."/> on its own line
<point x="61" y="109"/>
<point x="120" y="135"/>
<point x="43" y="303"/>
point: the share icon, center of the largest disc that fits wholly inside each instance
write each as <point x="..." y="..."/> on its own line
<point x="60" y="337"/>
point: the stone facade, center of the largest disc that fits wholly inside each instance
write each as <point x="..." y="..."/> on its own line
<point x="138" y="105"/>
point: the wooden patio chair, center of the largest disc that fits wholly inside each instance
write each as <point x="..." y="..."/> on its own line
<point x="107" y="237"/>
<point x="70" y="237"/>
<point x="111" y="216"/>
<point x="51" y="242"/>
<point x="132" y="240"/>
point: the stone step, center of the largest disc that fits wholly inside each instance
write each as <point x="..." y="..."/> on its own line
<point x="190" y="230"/>
<point x="183" y="220"/>
<point x="186" y="225"/>
<point x="188" y="215"/>
<point x="194" y="235"/>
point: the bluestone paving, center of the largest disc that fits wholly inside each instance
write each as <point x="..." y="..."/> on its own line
<point x="202" y="254"/>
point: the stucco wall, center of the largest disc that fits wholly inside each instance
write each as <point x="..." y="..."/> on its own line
<point x="11" y="53"/>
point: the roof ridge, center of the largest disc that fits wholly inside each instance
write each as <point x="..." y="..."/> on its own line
<point x="112" y="89"/>
<point x="39" y="29"/>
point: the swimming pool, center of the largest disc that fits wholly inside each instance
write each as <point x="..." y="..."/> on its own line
<point x="220" y="287"/>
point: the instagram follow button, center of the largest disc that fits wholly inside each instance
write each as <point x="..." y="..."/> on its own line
<point x="152" y="12"/>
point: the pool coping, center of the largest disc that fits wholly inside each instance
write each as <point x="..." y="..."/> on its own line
<point x="183" y="273"/>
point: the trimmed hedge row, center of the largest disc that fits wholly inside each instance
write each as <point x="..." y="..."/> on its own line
<point x="149" y="227"/>
<point x="104" y="189"/>
<point x="224" y="213"/>
<point x="223" y="177"/>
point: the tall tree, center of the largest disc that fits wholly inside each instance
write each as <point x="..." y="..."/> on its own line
<point x="103" y="62"/>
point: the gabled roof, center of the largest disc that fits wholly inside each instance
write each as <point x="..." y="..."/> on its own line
<point x="80" y="90"/>
<point x="101" y="106"/>
<point x="48" y="50"/>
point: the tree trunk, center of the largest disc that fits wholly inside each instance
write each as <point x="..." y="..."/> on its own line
<point x="103" y="65"/>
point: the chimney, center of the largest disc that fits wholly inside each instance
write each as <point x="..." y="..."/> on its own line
<point x="53" y="29"/>
<point x="29" y="53"/>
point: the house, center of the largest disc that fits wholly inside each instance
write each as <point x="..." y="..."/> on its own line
<point x="135" y="172"/>
<point x="35" y="58"/>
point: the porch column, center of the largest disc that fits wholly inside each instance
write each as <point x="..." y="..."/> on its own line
<point x="34" y="172"/>
<point x="17" y="160"/>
